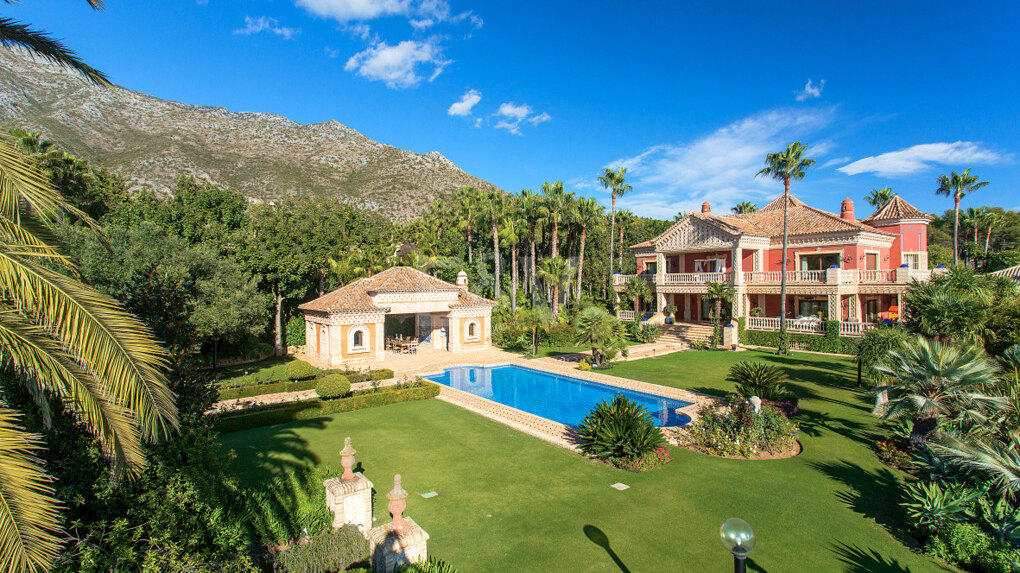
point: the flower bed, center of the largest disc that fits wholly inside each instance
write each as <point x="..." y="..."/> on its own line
<point x="739" y="431"/>
<point x="652" y="460"/>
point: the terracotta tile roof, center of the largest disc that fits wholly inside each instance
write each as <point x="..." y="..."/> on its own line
<point x="768" y="221"/>
<point x="641" y="244"/>
<point x="357" y="296"/>
<point x="897" y="208"/>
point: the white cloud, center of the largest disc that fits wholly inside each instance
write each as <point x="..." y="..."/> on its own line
<point x="921" y="157"/>
<point x="719" y="167"/>
<point x="348" y="10"/>
<point x="362" y="31"/>
<point x="810" y="91"/>
<point x="332" y="53"/>
<point x="264" y="24"/>
<point x="398" y="65"/>
<point x="463" y="106"/>
<point x="836" y="161"/>
<point x="513" y="115"/>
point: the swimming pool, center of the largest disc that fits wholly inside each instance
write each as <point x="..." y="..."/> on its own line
<point x="555" y="397"/>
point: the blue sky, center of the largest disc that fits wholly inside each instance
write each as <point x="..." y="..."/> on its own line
<point x="690" y="96"/>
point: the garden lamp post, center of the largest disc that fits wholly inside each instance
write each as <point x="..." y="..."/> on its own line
<point x="738" y="537"/>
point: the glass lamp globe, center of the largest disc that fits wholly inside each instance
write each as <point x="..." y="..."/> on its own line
<point x="737" y="536"/>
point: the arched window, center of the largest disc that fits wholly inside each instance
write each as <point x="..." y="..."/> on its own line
<point x="471" y="329"/>
<point x="358" y="338"/>
<point x="474" y="331"/>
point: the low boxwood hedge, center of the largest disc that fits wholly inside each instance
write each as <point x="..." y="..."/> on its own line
<point x="262" y="389"/>
<point x="830" y="342"/>
<point x="307" y="409"/>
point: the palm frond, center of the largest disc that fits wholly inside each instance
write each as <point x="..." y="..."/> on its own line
<point x="41" y="44"/>
<point x="44" y="366"/>
<point x="110" y="343"/>
<point x="29" y="520"/>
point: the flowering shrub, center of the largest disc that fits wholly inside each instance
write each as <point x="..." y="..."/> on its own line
<point x="740" y="431"/>
<point x="787" y="407"/>
<point x="890" y="453"/>
<point x="651" y="460"/>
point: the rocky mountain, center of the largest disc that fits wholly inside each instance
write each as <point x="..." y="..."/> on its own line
<point x="260" y="154"/>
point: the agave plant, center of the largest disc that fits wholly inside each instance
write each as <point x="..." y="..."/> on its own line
<point x="932" y="505"/>
<point x="997" y="461"/>
<point x="1000" y="519"/>
<point x="619" y="428"/>
<point x="762" y="380"/>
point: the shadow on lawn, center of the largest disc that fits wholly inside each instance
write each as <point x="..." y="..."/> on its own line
<point x="278" y="451"/>
<point x="812" y="423"/>
<point x="873" y="494"/>
<point x="599" y="537"/>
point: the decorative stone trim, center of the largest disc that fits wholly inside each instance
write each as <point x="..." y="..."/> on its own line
<point x="366" y="340"/>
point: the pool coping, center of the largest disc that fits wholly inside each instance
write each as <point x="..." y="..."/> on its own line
<point x="555" y="432"/>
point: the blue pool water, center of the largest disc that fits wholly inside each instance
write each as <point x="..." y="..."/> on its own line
<point x="559" y="398"/>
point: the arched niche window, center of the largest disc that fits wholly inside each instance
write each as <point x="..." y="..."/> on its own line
<point x="474" y="330"/>
<point x="359" y="339"/>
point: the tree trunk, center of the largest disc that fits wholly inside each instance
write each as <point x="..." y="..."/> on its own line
<point x="786" y="242"/>
<point x="956" y="230"/>
<point x="534" y="340"/>
<point x="580" y="262"/>
<point x="531" y="278"/>
<point x="278" y="343"/>
<point x="513" y="278"/>
<point x="988" y="239"/>
<point x="495" y="252"/>
<point x="214" y="344"/>
<point x="555" y="299"/>
<point x="621" y="249"/>
<point x="470" y="250"/>
<point x="612" y="235"/>
<point x="924" y="428"/>
<point x="554" y="249"/>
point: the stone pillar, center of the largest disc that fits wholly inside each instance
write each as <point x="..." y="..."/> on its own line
<point x="660" y="301"/>
<point x="349" y="496"/>
<point x="399" y="542"/>
<point x="835" y="309"/>
<point x="453" y="333"/>
<point x="687" y="307"/>
<point x="899" y="304"/>
<point x="660" y="268"/>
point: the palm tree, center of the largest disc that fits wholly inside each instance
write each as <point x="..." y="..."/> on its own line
<point x="535" y="319"/>
<point x="531" y="212"/>
<point x="495" y="207"/>
<point x="41" y="44"/>
<point x="65" y="341"/>
<point x="604" y="334"/>
<point x="626" y="219"/>
<point x="616" y="182"/>
<point x="555" y="203"/>
<point x="557" y="274"/>
<point x="718" y="293"/>
<point x="637" y="290"/>
<point x="744" y="207"/>
<point x="355" y="264"/>
<point x="957" y="186"/>
<point x="512" y="231"/>
<point x="992" y="220"/>
<point x="587" y="215"/>
<point x="998" y="461"/>
<point x="784" y="166"/>
<point x="879" y="197"/>
<point x="31" y="142"/>
<point x="928" y="380"/>
<point x="467" y="207"/>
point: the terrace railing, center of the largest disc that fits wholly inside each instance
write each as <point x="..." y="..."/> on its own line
<point x="877" y="276"/>
<point x="695" y="278"/>
<point x="806" y="326"/>
<point x="791" y="277"/>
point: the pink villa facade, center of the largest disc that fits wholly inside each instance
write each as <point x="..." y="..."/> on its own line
<point x="854" y="271"/>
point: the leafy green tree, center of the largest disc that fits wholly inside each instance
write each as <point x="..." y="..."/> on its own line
<point x="555" y="204"/>
<point x="603" y="333"/>
<point x="616" y="182"/>
<point x="873" y="348"/>
<point x="786" y="166"/>
<point x="929" y="380"/>
<point x="718" y="293"/>
<point x="557" y="274"/>
<point x="950" y="306"/>
<point x="535" y="319"/>
<point x="958" y="186"/>
<point x="69" y="343"/>
<point x="638" y="290"/>
<point x="229" y="306"/>
<point x="743" y="207"/>
<point x="879" y="197"/>
<point x="588" y="215"/>
<point x="625" y="219"/>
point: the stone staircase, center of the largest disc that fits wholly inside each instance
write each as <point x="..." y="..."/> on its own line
<point x="685" y="333"/>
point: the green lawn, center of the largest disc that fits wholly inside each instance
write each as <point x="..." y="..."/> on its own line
<point x="269" y="368"/>
<point x="509" y="502"/>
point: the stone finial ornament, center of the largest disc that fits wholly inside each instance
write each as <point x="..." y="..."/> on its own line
<point x="755" y="404"/>
<point x="347" y="461"/>
<point x="397" y="504"/>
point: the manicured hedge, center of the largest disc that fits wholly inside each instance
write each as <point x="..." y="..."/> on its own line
<point x="262" y="389"/>
<point x="830" y="342"/>
<point x="333" y="386"/>
<point x="307" y="409"/>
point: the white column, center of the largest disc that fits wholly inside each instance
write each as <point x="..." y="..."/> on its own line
<point x="737" y="268"/>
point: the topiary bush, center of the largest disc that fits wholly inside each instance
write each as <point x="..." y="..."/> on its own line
<point x="300" y="370"/>
<point x="330" y="551"/>
<point x="381" y="374"/>
<point x="619" y="428"/>
<point x="762" y="380"/>
<point x="333" y="386"/>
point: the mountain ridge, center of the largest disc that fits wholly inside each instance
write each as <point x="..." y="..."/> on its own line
<point x="261" y="154"/>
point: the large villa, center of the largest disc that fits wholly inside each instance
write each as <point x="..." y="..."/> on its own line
<point x="839" y="267"/>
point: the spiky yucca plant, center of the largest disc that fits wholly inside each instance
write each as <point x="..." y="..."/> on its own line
<point x="68" y="343"/>
<point x="619" y="428"/>
<point x="759" y="379"/>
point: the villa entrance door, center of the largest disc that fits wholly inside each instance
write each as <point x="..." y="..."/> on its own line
<point x="424" y="326"/>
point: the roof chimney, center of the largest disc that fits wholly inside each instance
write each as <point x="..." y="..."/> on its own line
<point x="706" y="207"/>
<point x="846" y="210"/>
<point x="462" y="280"/>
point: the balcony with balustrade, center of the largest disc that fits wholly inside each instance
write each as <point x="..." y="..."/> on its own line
<point x="901" y="276"/>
